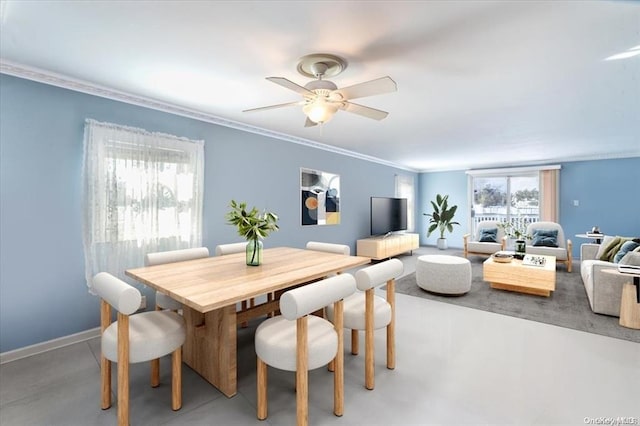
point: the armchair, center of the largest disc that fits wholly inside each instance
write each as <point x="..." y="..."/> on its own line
<point x="563" y="250"/>
<point x="475" y="246"/>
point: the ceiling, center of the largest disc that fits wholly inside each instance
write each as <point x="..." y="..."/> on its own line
<point x="480" y="83"/>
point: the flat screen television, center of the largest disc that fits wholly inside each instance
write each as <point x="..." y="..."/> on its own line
<point x="388" y="215"/>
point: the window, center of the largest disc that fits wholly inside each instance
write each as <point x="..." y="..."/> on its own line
<point x="520" y="196"/>
<point x="405" y="189"/>
<point x="142" y="192"/>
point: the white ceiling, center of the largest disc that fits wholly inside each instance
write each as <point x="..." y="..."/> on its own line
<point x="480" y="83"/>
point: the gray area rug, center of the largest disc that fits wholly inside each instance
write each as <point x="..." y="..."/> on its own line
<point x="567" y="306"/>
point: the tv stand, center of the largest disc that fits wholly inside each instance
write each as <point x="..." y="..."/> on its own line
<point x="386" y="246"/>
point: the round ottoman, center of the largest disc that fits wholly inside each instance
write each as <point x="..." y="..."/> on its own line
<point x="443" y="274"/>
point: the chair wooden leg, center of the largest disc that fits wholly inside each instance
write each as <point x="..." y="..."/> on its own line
<point x="302" y="385"/>
<point x="105" y="364"/>
<point x="176" y="379"/>
<point x="355" y="343"/>
<point x="123" y="370"/>
<point x="369" y="380"/>
<point x="338" y="376"/>
<point x="155" y="373"/>
<point x="155" y="366"/>
<point x="262" y="389"/>
<point x="391" y="328"/>
<point x="105" y="376"/>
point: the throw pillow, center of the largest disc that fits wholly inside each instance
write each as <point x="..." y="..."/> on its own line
<point x="631" y="258"/>
<point x="613" y="248"/>
<point x="626" y="247"/>
<point x="545" y="238"/>
<point x="603" y="245"/>
<point x="489" y="235"/>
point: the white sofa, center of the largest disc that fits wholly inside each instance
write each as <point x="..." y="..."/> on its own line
<point x="603" y="290"/>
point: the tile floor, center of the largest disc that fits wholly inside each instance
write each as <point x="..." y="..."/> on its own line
<point x="454" y="366"/>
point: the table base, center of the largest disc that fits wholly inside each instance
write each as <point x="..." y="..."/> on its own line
<point x="629" y="307"/>
<point x="521" y="289"/>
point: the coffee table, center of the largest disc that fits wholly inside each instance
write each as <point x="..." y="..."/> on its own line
<point x="514" y="276"/>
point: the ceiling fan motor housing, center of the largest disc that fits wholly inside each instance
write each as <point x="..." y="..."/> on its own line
<point x="320" y="84"/>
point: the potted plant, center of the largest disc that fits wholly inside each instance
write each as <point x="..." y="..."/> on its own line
<point x="252" y="225"/>
<point x="514" y="232"/>
<point x="441" y="219"/>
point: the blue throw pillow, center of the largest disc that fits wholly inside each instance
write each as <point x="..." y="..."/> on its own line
<point x="545" y="238"/>
<point x="489" y="235"/>
<point x="626" y="248"/>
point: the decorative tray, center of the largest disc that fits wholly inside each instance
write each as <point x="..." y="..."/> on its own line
<point x="502" y="257"/>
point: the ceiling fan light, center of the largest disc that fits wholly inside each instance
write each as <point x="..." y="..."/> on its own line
<point x="319" y="111"/>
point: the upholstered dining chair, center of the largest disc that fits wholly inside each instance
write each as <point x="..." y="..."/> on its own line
<point x="329" y="247"/>
<point x="364" y="310"/>
<point x="297" y="341"/>
<point x="135" y="338"/>
<point x="548" y="239"/>
<point x="164" y="301"/>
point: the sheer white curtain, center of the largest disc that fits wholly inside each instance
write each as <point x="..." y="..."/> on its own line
<point x="143" y="192"/>
<point x="405" y="189"/>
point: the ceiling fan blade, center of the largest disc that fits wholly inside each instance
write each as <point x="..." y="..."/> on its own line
<point x="364" y="111"/>
<point x="288" y="84"/>
<point x="309" y="123"/>
<point x="368" y="88"/>
<point x="274" y="106"/>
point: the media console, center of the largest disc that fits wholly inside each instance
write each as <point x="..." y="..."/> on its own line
<point x="379" y="248"/>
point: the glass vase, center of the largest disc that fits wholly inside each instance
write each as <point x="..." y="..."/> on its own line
<point x="254" y="252"/>
<point x="521" y="249"/>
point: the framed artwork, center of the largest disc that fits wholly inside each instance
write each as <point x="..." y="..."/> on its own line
<point x="319" y="197"/>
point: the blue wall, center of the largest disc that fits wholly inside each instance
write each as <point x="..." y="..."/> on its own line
<point x="42" y="289"/>
<point x="43" y="294"/>
<point x="453" y="184"/>
<point x="608" y="194"/>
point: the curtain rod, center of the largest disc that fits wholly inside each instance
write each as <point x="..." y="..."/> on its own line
<point x="512" y="170"/>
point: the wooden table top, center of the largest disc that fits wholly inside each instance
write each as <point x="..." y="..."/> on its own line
<point x="214" y="282"/>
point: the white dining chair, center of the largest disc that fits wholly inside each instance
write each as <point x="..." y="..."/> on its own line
<point x="297" y="341"/>
<point x="164" y="301"/>
<point x="135" y="338"/>
<point x="364" y="310"/>
<point x="329" y="247"/>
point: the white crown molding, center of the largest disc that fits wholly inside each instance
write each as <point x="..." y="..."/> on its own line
<point x="539" y="164"/>
<point x="65" y="82"/>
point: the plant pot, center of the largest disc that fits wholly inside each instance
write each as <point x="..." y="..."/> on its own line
<point x="254" y="252"/>
<point x="442" y="243"/>
<point x="521" y="249"/>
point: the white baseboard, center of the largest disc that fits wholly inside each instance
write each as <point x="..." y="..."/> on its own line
<point x="48" y="345"/>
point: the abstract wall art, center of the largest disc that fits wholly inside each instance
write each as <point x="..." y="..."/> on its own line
<point x="320" y="197"/>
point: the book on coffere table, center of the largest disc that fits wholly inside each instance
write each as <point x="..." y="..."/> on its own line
<point x="533" y="260"/>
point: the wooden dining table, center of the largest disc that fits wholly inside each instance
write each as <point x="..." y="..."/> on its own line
<point x="210" y="288"/>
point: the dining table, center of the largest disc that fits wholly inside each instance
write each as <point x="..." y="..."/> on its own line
<point x="210" y="289"/>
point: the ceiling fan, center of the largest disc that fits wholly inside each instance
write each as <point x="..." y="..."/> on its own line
<point x="321" y="99"/>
